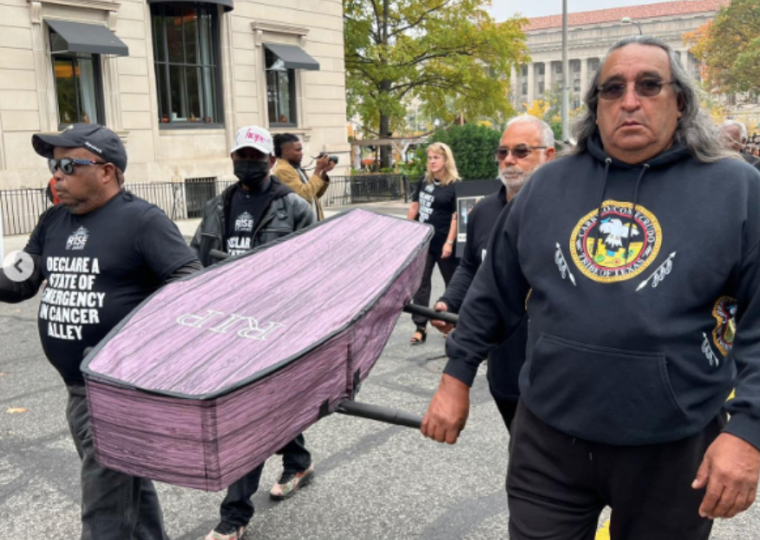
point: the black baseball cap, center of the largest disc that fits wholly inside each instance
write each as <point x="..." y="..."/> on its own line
<point x="95" y="138"/>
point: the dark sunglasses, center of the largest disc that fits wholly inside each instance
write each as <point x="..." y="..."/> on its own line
<point x="67" y="164"/>
<point x="520" y="151"/>
<point x="645" y="88"/>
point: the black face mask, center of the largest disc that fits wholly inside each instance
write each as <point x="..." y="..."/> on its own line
<point x="251" y="173"/>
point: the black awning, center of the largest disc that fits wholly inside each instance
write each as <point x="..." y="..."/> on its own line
<point x="292" y="57"/>
<point x="85" y="38"/>
<point x="226" y="4"/>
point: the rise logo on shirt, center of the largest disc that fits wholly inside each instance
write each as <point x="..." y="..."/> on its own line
<point x="78" y="239"/>
<point x="244" y="222"/>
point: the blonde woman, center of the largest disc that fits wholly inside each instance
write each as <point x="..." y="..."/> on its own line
<point x="434" y="203"/>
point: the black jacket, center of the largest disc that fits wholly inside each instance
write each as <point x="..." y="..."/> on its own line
<point x="502" y="373"/>
<point x="631" y="337"/>
<point x="286" y="213"/>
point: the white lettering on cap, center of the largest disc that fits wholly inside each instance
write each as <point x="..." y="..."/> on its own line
<point x="93" y="147"/>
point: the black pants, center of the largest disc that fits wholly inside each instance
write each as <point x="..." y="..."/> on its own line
<point x="237" y="507"/>
<point x="115" y="506"/>
<point x="558" y="485"/>
<point x="422" y="296"/>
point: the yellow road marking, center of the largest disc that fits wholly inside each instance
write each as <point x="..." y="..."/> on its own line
<point x="604" y="532"/>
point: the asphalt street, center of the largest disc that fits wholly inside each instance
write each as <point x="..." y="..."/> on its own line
<point x="373" y="481"/>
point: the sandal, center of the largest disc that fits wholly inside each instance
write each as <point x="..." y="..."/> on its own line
<point x="419" y="337"/>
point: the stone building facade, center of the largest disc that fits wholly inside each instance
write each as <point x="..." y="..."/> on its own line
<point x="590" y="34"/>
<point x="175" y="80"/>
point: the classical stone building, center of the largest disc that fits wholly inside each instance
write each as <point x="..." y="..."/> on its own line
<point x="591" y="33"/>
<point x="174" y="79"/>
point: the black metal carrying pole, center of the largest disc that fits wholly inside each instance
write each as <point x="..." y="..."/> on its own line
<point x="431" y="314"/>
<point x="220" y="255"/>
<point x="380" y="414"/>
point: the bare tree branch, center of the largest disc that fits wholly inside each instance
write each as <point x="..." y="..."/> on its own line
<point x="420" y="19"/>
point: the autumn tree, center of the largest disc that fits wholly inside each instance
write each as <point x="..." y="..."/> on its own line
<point x="450" y="54"/>
<point x="729" y="48"/>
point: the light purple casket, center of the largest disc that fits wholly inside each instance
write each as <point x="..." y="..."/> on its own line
<point x="213" y="374"/>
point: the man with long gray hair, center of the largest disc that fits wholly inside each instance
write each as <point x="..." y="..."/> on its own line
<point x="640" y="249"/>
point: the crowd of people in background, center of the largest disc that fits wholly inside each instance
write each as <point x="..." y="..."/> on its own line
<point x="563" y="279"/>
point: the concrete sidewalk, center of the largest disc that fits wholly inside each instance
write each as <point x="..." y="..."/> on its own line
<point x="188" y="226"/>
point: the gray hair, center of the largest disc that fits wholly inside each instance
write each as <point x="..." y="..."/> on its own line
<point x="742" y="128"/>
<point x="695" y="130"/>
<point x="547" y="135"/>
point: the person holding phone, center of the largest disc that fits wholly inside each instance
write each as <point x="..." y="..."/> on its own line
<point x="289" y="152"/>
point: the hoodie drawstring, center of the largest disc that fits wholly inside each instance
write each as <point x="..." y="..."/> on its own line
<point x="607" y="163"/>
<point x="633" y="211"/>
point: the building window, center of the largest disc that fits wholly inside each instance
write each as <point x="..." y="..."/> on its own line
<point x="541" y="87"/>
<point x="577" y="85"/>
<point x="593" y="65"/>
<point x="525" y="89"/>
<point x="78" y="87"/>
<point x="575" y="66"/>
<point x="524" y="70"/>
<point x="541" y="68"/>
<point x="576" y="103"/>
<point x="558" y="68"/>
<point x="186" y="53"/>
<point x="281" y="92"/>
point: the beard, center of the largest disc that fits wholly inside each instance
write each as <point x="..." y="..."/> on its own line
<point x="514" y="178"/>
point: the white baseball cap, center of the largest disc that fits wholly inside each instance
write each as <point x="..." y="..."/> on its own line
<point x="254" y="137"/>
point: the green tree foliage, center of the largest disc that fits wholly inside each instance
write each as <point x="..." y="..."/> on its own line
<point x="729" y="48"/>
<point x="450" y="54"/>
<point x="473" y="147"/>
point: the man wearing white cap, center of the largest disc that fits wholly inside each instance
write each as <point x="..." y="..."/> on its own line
<point x="256" y="210"/>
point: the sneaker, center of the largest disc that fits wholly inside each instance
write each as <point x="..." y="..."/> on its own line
<point x="290" y="483"/>
<point x="224" y="531"/>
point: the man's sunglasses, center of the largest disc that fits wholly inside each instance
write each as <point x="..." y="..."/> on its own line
<point x="645" y="88"/>
<point x="67" y="164"/>
<point x="520" y="151"/>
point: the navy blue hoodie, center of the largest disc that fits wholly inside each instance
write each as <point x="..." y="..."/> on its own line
<point x="631" y="334"/>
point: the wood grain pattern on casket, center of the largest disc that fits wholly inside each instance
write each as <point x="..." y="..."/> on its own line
<point x="213" y="374"/>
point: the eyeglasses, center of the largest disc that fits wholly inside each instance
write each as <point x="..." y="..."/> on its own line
<point x="644" y="88"/>
<point x="67" y="164"/>
<point x="520" y="151"/>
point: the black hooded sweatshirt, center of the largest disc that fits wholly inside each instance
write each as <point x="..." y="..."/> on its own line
<point x="631" y="333"/>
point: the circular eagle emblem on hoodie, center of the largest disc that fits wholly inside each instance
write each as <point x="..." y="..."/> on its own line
<point x="610" y="246"/>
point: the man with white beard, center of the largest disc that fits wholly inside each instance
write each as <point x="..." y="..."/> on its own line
<point x="527" y="143"/>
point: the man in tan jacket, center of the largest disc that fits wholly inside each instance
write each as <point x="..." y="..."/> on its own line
<point x="289" y="152"/>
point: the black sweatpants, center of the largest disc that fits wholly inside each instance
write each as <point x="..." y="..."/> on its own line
<point x="447" y="267"/>
<point x="558" y="485"/>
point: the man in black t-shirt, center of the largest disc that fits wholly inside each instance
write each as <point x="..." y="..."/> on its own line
<point x="102" y="251"/>
<point x="255" y="211"/>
